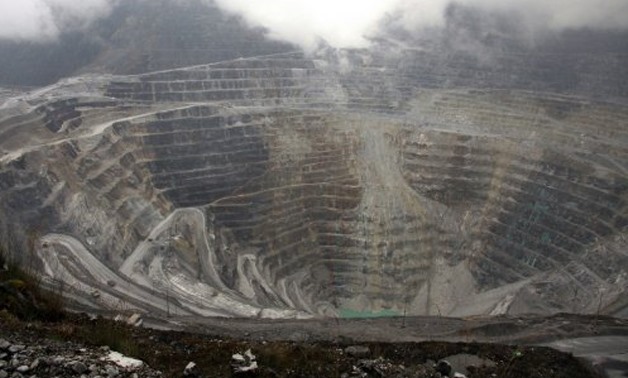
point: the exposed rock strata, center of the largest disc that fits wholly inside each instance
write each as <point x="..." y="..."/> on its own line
<point x="283" y="186"/>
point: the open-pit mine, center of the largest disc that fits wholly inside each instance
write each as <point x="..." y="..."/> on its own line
<point x="409" y="178"/>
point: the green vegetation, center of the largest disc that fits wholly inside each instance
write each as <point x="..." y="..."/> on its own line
<point x="354" y="314"/>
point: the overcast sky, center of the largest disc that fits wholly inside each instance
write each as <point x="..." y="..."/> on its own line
<point x="342" y="23"/>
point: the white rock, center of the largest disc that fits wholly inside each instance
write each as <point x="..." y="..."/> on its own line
<point x="16" y="348"/>
<point x="23" y="369"/>
<point x="190" y="370"/>
<point x="244" y="369"/>
<point x="134" y="320"/>
<point x="244" y="363"/>
<point x="248" y="354"/>
<point x="123" y="361"/>
<point x="238" y="358"/>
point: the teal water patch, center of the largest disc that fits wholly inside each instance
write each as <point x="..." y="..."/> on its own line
<point x="353" y="314"/>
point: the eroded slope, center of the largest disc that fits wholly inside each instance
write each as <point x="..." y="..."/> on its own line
<point x="284" y="186"/>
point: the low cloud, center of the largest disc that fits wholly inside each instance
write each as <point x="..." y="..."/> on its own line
<point x="348" y="23"/>
<point x="344" y="23"/>
<point x="43" y="20"/>
<point x="341" y="23"/>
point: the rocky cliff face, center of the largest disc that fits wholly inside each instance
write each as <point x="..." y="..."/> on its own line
<point x="409" y="178"/>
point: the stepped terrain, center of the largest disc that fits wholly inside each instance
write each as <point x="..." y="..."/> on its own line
<point x="408" y="178"/>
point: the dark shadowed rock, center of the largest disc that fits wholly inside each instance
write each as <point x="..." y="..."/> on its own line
<point x="358" y="351"/>
<point x="444" y="368"/>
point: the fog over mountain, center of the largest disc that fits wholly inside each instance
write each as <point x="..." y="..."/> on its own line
<point x="44" y="20"/>
<point x="346" y="23"/>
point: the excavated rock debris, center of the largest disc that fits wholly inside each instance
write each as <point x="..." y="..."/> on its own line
<point x="33" y="349"/>
<point x="28" y="357"/>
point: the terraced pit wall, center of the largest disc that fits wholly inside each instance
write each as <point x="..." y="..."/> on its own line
<point x="286" y="186"/>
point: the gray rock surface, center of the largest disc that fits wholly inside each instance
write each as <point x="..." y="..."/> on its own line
<point x="358" y="351"/>
<point x="47" y="358"/>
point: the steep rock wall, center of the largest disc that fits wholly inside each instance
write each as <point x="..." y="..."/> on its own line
<point x="288" y="186"/>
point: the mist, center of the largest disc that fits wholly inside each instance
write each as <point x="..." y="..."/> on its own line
<point x="349" y="23"/>
<point x="340" y="23"/>
<point x="44" y="20"/>
<point x="343" y="23"/>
